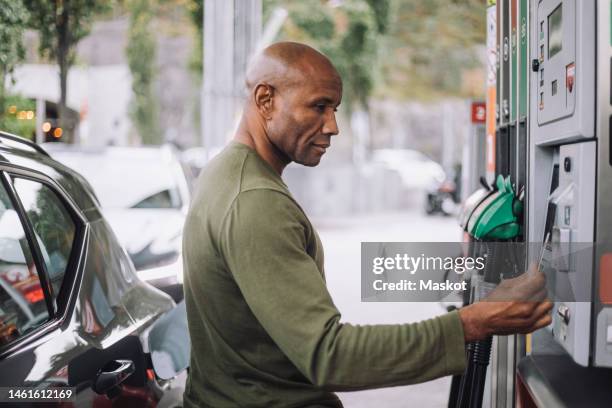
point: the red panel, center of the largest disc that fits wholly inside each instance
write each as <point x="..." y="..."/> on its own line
<point x="523" y="396"/>
<point x="605" y="279"/>
<point x="479" y="112"/>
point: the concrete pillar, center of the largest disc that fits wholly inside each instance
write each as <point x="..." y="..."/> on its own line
<point x="231" y="32"/>
<point x="40" y="119"/>
<point x="448" y="136"/>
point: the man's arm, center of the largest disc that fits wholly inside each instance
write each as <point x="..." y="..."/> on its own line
<point x="263" y="241"/>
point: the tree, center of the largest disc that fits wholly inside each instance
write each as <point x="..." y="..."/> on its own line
<point x="349" y="35"/>
<point x="61" y="25"/>
<point x="399" y="48"/>
<point x="196" y="12"/>
<point x="141" y="60"/>
<point x="432" y="44"/>
<point x="13" y="17"/>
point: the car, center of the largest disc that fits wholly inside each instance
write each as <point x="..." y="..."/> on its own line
<point x="76" y="321"/>
<point x="417" y="171"/>
<point x="144" y="194"/>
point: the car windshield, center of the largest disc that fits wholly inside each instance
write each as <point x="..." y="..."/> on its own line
<point x="127" y="179"/>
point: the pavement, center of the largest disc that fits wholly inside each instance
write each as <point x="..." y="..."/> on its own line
<point x="341" y="238"/>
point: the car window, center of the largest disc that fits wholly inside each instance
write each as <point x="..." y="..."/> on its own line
<point x="163" y="199"/>
<point x="22" y="301"/>
<point x="53" y="227"/>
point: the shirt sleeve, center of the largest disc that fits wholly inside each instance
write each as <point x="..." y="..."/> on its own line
<point x="263" y="240"/>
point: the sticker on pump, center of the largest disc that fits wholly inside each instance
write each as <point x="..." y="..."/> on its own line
<point x="570" y="74"/>
<point x="479" y="112"/>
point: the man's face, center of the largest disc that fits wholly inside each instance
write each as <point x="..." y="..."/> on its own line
<point x="304" y="119"/>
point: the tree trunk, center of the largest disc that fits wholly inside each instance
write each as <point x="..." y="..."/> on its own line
<point x="3" y="75"/>
<point x="63" y="49"/>
<point x="62" y="110"/>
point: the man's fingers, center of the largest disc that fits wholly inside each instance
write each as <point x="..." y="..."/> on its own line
<point x="542" y="322"/>
<point x="545" y="307"/>
<point x="528" y="286"/>
<point x="540" y="317"/>
<point x="542" y="309"/>
<point x="525" y="317"/>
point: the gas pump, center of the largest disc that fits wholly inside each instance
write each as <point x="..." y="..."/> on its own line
<point x="570" y="190"/>
<point x="551" y="134"/>
<point x="564" y="148"/>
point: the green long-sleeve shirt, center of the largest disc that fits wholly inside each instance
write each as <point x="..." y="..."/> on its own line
<point x="264" y="329"/>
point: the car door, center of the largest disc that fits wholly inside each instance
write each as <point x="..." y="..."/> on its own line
<point x="41" y="248"/>
<point x="70" y="301"/>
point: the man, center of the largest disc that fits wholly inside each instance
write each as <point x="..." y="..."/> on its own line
<point x="264" y="330"/>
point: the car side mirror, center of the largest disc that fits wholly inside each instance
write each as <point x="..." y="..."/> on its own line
<point x="110" y="377"/>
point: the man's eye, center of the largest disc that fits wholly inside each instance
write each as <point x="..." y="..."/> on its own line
<point x="321" y="107"/>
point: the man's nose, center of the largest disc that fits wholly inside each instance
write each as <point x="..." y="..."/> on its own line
<point x="330" y="127"/>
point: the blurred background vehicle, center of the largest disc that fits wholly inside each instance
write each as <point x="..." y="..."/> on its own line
<point x="445" y="197"/>
<point x="423" y="182"/>
<point x="441" y="198"/>
<point x="144" y="193"/>
<point x="194" y="159"/>
<point x="417" y="171"/>
<point x="73" y="312"/>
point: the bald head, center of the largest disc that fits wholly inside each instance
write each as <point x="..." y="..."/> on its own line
<point x="286" y="64"/>
<point x="290" y="114"/>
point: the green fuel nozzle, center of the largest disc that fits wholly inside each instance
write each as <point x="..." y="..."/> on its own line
<point x="499" y="219"/>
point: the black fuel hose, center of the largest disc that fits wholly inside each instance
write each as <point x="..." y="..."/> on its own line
<point x="480" y="361"/>
<point x="471" y="390"/>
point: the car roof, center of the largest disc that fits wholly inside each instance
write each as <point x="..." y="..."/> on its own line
<point x="165" y="151"/>
<point x="23" y="153"/>
<point x="399" y="156"/>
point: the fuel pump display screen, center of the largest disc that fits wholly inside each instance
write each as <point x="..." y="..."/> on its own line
<point x="555" y="33"/>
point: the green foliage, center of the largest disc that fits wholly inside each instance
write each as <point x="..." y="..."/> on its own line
<point x="399" y="48"/>
<point x="381" y="14"/>
<point x="315" y="22"/>
<point x="52" y="225"/>
<point x="433" y="45"/>
<point x="140" y="53"/>
<point x="356" y="56"/>
<point x="349" y="35"/>
<point x="13" y="17"/>
<point x="13" y="120"/>
<point x="196" y="12"/>
<point x="62" y="24"/>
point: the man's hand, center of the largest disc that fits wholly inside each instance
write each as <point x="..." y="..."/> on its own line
<point x="516" y="306"/>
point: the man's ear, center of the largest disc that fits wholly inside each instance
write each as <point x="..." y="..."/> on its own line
<point x="263" y="96"/>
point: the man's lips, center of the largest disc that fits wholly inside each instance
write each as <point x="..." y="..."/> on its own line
<point x="321" y="147"/>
